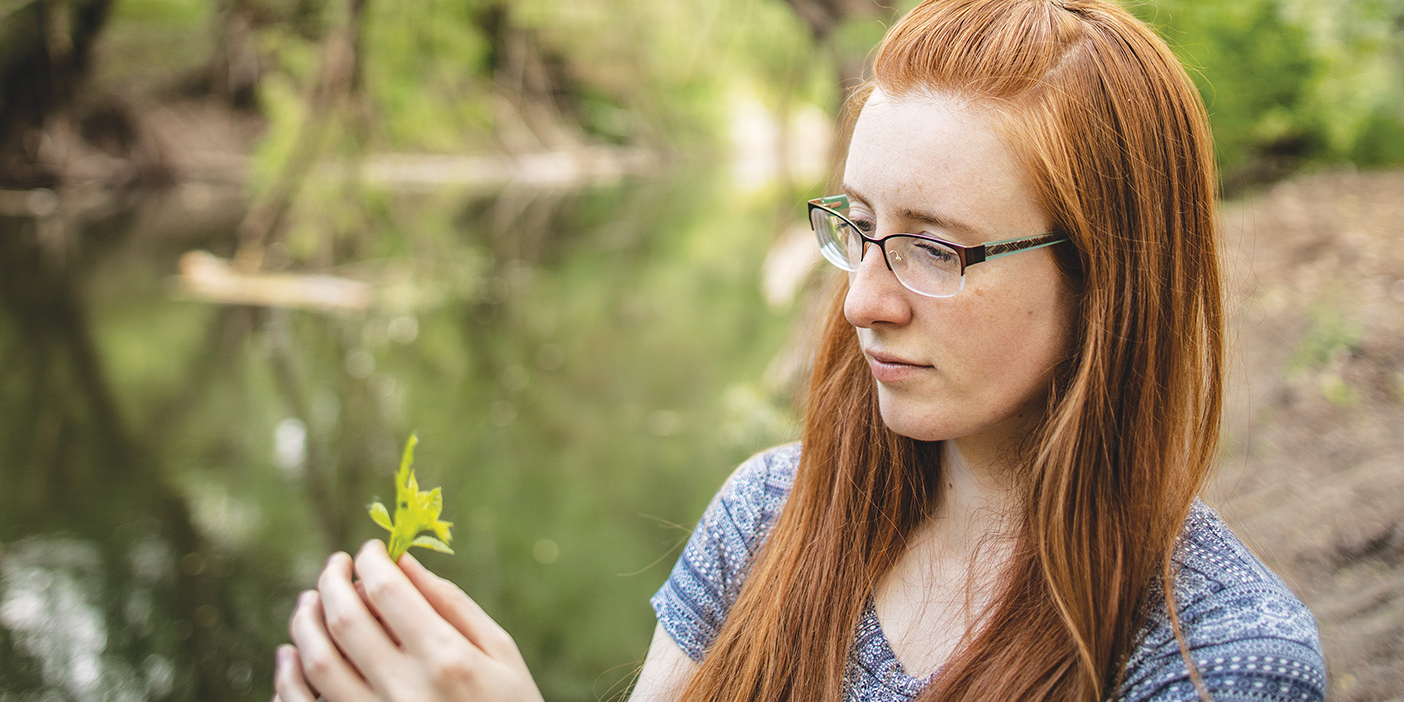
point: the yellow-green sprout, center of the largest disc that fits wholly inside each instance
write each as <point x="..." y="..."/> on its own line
<point x="416" y="511"/>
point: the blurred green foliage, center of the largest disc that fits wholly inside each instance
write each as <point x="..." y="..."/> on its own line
<point x="1289" y="82"/>
<point x="155" y="41"/>
<point x="445" y="76"/>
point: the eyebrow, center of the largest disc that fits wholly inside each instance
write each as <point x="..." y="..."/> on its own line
<point x="936" y="220"/>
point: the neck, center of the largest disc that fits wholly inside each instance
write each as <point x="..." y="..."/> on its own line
<point x="979" y="490"/>
<point x="935" y="596"/>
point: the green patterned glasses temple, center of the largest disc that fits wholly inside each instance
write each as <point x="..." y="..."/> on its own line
<point x="922" y="263"/>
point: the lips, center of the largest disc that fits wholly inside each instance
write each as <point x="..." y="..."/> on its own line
<point x="888" y="368"/>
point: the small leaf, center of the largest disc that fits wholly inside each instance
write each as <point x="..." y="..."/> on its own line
<point x="381" y="516"/>
<point x="416" y="511"/>
<point x="431" y="543"/>
<point x="407" y="459"/>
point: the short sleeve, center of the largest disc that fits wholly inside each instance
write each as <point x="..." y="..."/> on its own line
<point x="1250" y="638"/>
<point x="694" y="602"/>
<point x="1266" y="650"/>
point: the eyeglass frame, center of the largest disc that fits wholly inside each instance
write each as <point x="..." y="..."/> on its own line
<point x="969" y="255"/>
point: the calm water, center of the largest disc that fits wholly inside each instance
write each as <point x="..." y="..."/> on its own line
<point x="582" y="368"/>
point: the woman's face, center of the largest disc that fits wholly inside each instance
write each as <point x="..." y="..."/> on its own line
<point x="975" y="367"/>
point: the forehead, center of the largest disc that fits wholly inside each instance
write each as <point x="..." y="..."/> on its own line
<point x="936" y="151"/>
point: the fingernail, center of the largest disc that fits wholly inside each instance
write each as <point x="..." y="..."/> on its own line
<point x="305" y="599"/>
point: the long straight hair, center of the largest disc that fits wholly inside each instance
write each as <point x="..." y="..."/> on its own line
<point x="1115" y="139"/>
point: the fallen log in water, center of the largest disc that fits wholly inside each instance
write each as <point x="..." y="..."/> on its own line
<point x="209" y="278"/>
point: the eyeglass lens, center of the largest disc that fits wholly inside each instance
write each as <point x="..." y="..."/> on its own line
<point x="922" y="265"/>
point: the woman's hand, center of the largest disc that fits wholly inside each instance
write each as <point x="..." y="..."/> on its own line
<point x="399" y="634"/>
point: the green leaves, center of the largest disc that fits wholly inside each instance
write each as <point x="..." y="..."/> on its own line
<point x="416" y="512"/>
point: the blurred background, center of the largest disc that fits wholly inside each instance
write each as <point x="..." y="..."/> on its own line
<point x="248" y="246"/>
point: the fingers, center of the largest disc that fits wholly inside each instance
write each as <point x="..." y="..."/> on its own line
<point x="353" y="627"/>
<point x="317" y="659"/>
<point x="288" y="683"/>
<point x="361" y="590"/>
<point x="347" y="637"/>
<point x="459" y="610"/>
<point x="403" y="607"/>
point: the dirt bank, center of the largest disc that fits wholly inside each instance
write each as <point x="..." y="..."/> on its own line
<point x="1313" y="467"/>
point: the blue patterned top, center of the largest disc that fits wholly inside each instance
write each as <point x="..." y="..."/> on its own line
<point x="1252" y="639"/>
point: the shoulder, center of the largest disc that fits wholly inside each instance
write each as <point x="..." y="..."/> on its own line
<point x="1250" y="637"/>
<point x="695" y="600"/>
<point x="740" y="517"/>
<point x="753" y="495"/>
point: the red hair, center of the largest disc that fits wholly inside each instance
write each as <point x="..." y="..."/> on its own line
<point x="1115" y="139"/>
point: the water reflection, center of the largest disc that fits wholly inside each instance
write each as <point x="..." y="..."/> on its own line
<point x="581" y="368"/>
<point x="47" y="609"/>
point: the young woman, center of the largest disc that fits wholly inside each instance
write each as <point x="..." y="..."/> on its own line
<point x="1014" y="403"/>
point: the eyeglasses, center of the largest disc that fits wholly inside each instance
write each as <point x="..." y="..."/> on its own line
<point x="923" y="264"/>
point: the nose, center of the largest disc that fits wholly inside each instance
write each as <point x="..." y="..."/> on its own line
<point x="874" y="294"/>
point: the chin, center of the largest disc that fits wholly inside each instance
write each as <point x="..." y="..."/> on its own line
<point x="917" y="433"/>
<point x="913" y="425"/>
<point x="936" y="422"/>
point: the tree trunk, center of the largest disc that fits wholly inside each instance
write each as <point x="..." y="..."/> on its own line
<point x="48" y="55"/>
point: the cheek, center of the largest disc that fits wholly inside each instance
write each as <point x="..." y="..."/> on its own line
<point x="1014" y="346"/>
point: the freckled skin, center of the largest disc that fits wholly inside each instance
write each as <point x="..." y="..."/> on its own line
<point x="985" y="354"/>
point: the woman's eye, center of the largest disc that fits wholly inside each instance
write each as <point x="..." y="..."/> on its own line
<point x="933" y="253"/>
<point x="864" y="225"/>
